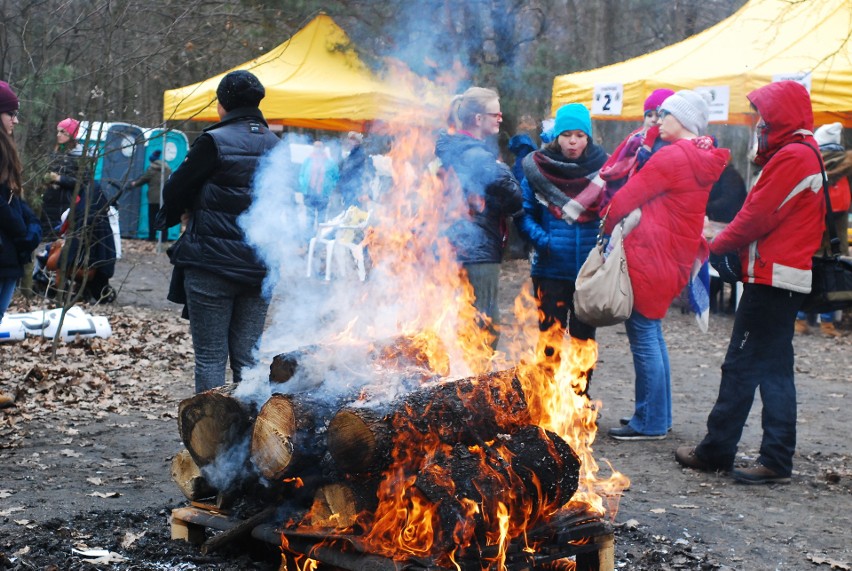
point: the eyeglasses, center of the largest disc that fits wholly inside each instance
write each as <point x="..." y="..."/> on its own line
<point x="663" y="114"/>
<point x="11" y="114"/>
<point x="497" y="115"/>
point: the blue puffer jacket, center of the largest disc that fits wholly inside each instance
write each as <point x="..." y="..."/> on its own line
<point x="490" y="194"/>
<point x="559" y="248"/>
<point x="20" y="234"/>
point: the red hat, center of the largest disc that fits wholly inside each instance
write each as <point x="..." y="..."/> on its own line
<point x="656" y="99"/>
<point x="8" y="99"/>
<point x="70" y="126"/>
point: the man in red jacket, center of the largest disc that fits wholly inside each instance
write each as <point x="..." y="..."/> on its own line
<point x="775" y="234"/>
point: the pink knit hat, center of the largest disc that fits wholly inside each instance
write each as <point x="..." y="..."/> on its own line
<point x="70" y="126"/>
<point x="656" y="99"/>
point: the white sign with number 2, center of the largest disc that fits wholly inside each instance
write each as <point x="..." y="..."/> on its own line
<point x="607" y="99"/>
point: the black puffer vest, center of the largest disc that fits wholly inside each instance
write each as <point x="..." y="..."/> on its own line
<point x="213" y="240"/>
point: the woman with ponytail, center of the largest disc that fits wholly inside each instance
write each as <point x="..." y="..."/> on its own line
<point x="486" y="192"/>
<point x="20" y="232"/>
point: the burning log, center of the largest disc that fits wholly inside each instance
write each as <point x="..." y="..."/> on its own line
<point x="469" y="411"/>
<point x="403" y="352"/>
<point x="212" y="421"/>
<point x="337" y="505"/>
<point x="532" y="472"/>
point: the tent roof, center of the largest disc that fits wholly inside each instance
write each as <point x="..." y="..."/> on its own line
<point x="314" y="79"/>
<point x="765" y="41"/>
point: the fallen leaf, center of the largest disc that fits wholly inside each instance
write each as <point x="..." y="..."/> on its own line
<point x="95" y="481"/>
<point x="70" y="453"/>
<point x="130" y="538"/>
<point x="820" y="560"/>
<point x="10" y="511"/>
<point x="22" y="521"/>
<point x="105" y="495"/>
<point x="658" y="510"/>
<point x="685" y="506"/>
<point x="5" y="494"/>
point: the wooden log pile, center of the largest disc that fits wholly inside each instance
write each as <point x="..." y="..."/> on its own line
<point x="334" y="463"/>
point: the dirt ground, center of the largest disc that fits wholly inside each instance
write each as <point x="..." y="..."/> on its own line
<point x="85" y="453"/>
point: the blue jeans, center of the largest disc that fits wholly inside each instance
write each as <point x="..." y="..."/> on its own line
<point x="653" y="408"/>
<point x="7" y="288"/>
<point x="760" y="355"/>
<point x="226" y="320"/>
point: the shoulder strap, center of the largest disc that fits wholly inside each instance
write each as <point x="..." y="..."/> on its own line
<point x="834" y="241"/>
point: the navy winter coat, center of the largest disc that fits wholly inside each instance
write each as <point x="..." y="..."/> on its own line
<point x="490" y="193"/>
<point x="20" y="234"/>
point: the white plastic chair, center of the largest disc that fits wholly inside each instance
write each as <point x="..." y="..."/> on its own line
<point x="327" y="234"/>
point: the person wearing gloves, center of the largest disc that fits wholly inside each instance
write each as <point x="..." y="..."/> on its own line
<point x="775" y="234"/>
<point x="671" y="192"/>
<point x="838" y="167"/>
<point x="561" y="190"/>
<point x="20" y="231"/>
<point x="218" y="274"/>
<point x="64" y="170"/>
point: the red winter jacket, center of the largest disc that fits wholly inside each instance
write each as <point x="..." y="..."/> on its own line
<point x="780" y="226"/>
<point x="672" y="191"/>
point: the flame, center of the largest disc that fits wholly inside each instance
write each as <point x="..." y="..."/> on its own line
<point x="421" y="511"/>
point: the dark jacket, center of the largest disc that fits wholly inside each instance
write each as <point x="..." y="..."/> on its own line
<point x="560" y="248"/>
<point x="91" y="229"/>
<point x="20" y="234"/>
<point x="154" y="176"/>
<point x="214" y="185"/>
<point x="355" y="174"/>
<point x="726" y="196"/>
<point x="57" y="196"/>
<point x="481" y="194"/>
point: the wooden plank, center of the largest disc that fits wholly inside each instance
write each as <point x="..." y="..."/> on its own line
<point x="601" y="560"/>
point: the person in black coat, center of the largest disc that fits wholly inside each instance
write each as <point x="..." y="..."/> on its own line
<point x="218" y="274"/>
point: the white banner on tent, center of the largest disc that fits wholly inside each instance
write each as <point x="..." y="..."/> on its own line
<point x="803" y="77"/>
<point x="608" y="99"/>
<point x="720" y="101"/>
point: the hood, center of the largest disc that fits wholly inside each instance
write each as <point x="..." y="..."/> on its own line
<point x="520" y="142"/>
<point x="707" y="164"/>
<point x="449" y="148"/>
<point x="786" y="109"/>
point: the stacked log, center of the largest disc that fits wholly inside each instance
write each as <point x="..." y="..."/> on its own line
<point x="460" y="442"/>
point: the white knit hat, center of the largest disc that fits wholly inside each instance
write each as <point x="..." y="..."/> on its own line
<point x="690" y="108"/>
<point x="829" y="134"/>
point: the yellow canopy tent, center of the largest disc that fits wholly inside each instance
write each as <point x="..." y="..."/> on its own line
<point x="766" y="40"/>
<point x="313" y="80"/>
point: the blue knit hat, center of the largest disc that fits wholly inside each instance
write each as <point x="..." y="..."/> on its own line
<point x="572" y="117"/>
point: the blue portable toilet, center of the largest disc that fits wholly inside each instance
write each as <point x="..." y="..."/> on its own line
<point x="173" y="146"/>
<point x="92" y="135"/>
<point x="123" y="161"/>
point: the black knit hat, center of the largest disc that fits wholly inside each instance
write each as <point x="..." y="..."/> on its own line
<point x="240" y="89"/>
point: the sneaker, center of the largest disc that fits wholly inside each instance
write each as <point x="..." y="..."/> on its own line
<point x="759" y="474"/>
<point x="627" y="433"/>
<point x="624" y="420"/>
<point x="828" y="330"/>
<point x="802" y="327"/>
<point x="686" y="457"/>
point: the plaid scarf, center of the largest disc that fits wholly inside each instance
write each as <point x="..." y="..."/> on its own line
<point x="570" y="190"/>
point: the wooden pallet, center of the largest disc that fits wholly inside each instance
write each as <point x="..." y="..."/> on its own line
<point x="189" y="524"/>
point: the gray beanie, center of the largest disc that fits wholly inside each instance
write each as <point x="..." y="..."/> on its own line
<point x="690" y="108"/>
<point x="829" y="134"/>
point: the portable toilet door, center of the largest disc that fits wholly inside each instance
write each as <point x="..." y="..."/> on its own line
<point x="92" y="136"/>
<point x="173" y="146"/>
<point x="123" y="162"/>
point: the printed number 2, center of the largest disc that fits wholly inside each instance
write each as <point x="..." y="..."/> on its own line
<point x="608" y="102"/>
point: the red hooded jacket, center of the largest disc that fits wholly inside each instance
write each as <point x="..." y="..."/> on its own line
<point x="672" y="191"/>
<point x="780" y="226"/>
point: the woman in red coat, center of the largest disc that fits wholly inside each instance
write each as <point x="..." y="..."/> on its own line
<point x="671" y="192"/>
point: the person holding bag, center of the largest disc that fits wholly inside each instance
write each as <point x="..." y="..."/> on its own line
<point x="561" y="190"/>
<point x="671" y="190"/>
<point x="776" y="234"/>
